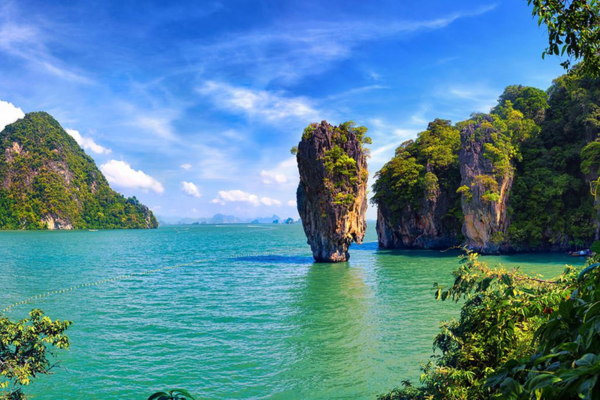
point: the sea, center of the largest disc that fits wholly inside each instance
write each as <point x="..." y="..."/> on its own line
<point x="231" y="311"/>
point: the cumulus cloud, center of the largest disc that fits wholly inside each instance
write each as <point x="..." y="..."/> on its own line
<point x="272" y="177"/>
<point x="87" y="143"/>
<point x="292" y="203"/>
<point x="267" y="201"/>
<point x="186" y="166"/>
<point x="272" y="106"/>
<point x="9" y="114"/>
<point x="190" y="189"/>
<point x="121" y="174"/>
<point x="231" y="196"/>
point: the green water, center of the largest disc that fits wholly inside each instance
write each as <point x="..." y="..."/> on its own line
<point x="259" y="320"/>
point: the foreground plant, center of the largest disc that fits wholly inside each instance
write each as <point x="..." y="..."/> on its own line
<point x="502" y="309"/>
<point x="25" y="350"/>
<point x="174" y="394"/>
<point x="566" y="364"/>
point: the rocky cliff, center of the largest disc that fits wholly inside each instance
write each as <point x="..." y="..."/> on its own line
<point x="527" y="176"/>
<point x="487" y="172"/>
<point x="418" y="206"/>
<point x="331" y="195"/>
<point x="48" y="182"/>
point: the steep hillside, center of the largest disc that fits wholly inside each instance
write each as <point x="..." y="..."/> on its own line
<point x="48" y="182"/>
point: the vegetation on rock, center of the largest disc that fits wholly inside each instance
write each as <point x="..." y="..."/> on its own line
<point x="544" y="157"/>
<point x="47" y="180"/>
<point x="331" y="195"/>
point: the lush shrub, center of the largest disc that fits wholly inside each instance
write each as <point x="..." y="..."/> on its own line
<point x="25" y="350"/>
<point x="502" y="309"/>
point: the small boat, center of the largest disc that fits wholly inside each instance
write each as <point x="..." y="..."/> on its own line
<point x="92" y="230"/>
<point x="581" y="253"/>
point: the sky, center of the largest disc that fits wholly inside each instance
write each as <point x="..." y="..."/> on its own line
<point x="193" y="106"/>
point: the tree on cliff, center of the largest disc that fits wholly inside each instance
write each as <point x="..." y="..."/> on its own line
<point x="573" y="29"/>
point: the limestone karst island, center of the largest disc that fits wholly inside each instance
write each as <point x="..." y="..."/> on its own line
<point x="48" y="182"/>
<point x="332" y="194"/>
<point x="433" y="234"/>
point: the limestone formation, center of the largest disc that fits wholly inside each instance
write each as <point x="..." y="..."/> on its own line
<point x="485" y="187"/>
<point x="331" y="195"/>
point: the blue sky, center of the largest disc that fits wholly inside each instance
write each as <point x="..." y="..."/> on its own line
<point x="193" y="106"/>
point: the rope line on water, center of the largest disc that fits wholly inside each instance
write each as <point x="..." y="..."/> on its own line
<point x="132" y="275"/>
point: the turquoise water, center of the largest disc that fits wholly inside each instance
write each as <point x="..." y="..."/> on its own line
<point x="249" y="316"/>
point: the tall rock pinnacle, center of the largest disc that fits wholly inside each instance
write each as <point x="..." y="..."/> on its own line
<point x="331" y="195"/>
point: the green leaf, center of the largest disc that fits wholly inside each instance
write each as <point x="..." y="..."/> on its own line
<point x="511" y="388"/>
<point x="587" y="360"/>
<point x="159" y="396"/>
<point x="541" y="381"/>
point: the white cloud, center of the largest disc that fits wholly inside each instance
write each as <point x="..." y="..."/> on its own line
<point x="87" y="143"/>
<point x="9" y="114"/>
<point x="239" y="196"/>
<point x="190" y="189"/>
<point x="272" y="106"/>
<point x="231" y="196"/>
<point x="272" y="177"/>
<point x="284" y="174"/>
<point x="121" y="174"/>
<point x="292" y="203"/>
<point x="186" y="166"/>
<point x="267" y="201"/>
<point x="160" y="126"/>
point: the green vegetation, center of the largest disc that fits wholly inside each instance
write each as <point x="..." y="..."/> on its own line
<point x="505" y="316"/>
<point x="343" y="174"/>
<point x="547" y="141"/>
<point x="550" y="202"/>
<point x="573" y="29"/>
<point x="24" y="350"/>
<point x="44" y="173"/>
<point x="422" y="169"/>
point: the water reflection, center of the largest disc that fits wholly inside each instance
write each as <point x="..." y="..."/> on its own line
<point x="331" y="335"/>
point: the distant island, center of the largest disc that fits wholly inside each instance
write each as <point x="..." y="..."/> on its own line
<point x="48" y="182"/>
<point x="225" y="219"/>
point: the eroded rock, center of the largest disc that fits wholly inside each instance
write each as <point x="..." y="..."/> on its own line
<point x="331" y="195"/>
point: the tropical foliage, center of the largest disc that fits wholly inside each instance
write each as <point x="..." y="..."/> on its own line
<point x="421" y="168"/>
<point x="504" y="316"/>
<point x="573" y="29"/>
<point x="25" y="350"/>
<point x="546" y="141"/>
<point x="343" y="174"/>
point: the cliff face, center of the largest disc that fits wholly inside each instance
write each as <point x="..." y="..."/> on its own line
<point x="418" y="206"/>
<point x="48" y="182"/>
<point x="428" y="226"/>
<point x="331" y="195"/>
<point x="485" y="186"/>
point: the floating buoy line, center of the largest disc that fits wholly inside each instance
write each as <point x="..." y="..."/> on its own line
<point x="132" y="275"/>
